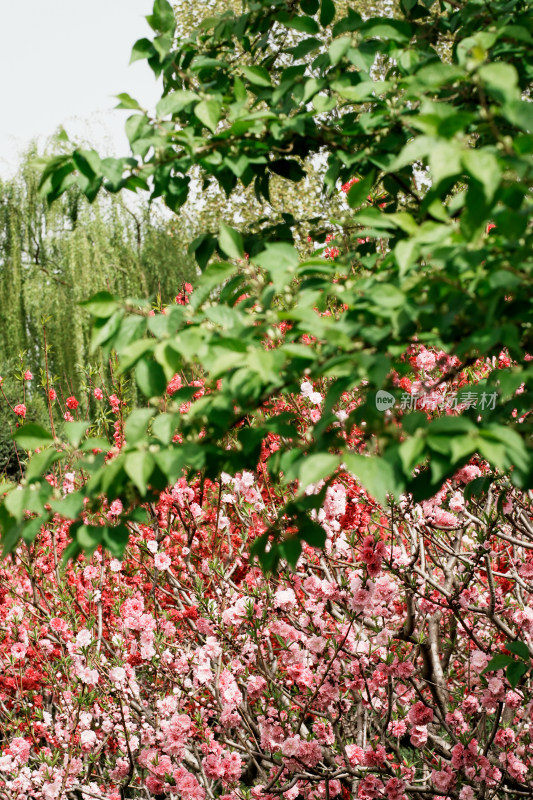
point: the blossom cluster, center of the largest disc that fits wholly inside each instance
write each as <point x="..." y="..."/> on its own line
<point x="179" y="670"/>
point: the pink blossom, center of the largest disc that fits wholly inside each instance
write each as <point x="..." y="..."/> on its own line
<point x="98" y="394"/>
<point x="58" y="625"/>
<point x="394" y="789"/>
<point x="375" y="757"/>
<point x="18" y="650"/>
<point x="20" y="410"/>
<point x="68" y="482"/>
<point x="443" y="519"/>
<point x="162" y="561"/>
<point x="443" y="780"/>
<point x="84" y="638"/>
<point x="285" y="599"/>
<point x="398" y="728"/>
<point x="467" y="474"/>
<point x="425" y="360"/>
<point x="255" y="687"/>
<point x="457" y="502"/>
<point x="88" y="740"/>
<point x="116" y="508"/>
<point x="229" y="691"/>
<point x="20" y="748"/>
<point x="420" y="714"/>
<point x="88" y="676"/>
<point x="115" y="403"/>
<point x="187" y="785"/>
<point x="419" y="735"/>
<point x="355" y="754"/>
<point x="117" y="674"/>
<point x="310" y="753"/>
<point x="90" y="573"/>
<point x="174" y="385"/>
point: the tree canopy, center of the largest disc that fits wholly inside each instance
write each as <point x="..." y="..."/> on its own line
<point x="424" y="117"/>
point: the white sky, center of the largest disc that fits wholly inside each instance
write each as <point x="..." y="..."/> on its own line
<point x="61" y="62"/>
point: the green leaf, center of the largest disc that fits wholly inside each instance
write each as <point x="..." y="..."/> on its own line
<point x="40" y="463"/>
<point x="70" y="506"/>
<point x="126" y="101"/>
<point x="501" y="81"/>
<point x="175" y="102"/>
<point x="477" y="487"/>
<point x="515" y="671"/>
<point x="520" y="649"/>
<point x="483" y="167"/>
<point x="362" y="91"/>
<point x="291" y="550"/>
<point x="208" y="112"/>
<point x="143" y="48"/>
<point x="499" y="661"/>
<point x="150" y="378"/>
<point x="32" y="528"/>
<point x="327" y="12"/>
<point x="30" y="436"/>
<point x="164" y="427"/>
<point x="96" y="443"/>
<point x="174" y="460"/>
<point x="310" y="6"/>
<point x="315" y="467"/>
<point x="302" y="24"/>
<point x="71" y="553"/>
<point x="89" y="538"/>
<point x="412" y="452"/>
<point x="281" y="261"/>
<point x="75" y="431"/>
<point x="230" y="241"/>
<point x="388" y="296"/>
<point x="358" y="193"/>
<point x="375" y="474"/>
<point x="105" y="329"/>
<point x="116" y="540"/>
<point x="139" y="514"/>
<point x="162" y="17"/>
<point x="520" y="113"/>
<point x="102" y="304"/>
<point x="338" y="49"/>
<point x="259" y="76"/>
<point x="136" y="424"/>
<point x="288" y="168"/>
<point x="394" y="30"/>
<point x="311" y="532"/>
<point x="139" y="466"/>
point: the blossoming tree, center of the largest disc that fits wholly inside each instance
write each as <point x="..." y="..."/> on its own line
<point x="393" y="663"/>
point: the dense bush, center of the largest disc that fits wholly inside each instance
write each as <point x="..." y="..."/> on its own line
<point x="373" y="670"/>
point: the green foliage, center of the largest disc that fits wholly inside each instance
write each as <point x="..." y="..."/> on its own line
<point x="430" y="110"/>
<point x="54" y="257"/>
<point x="514" y="670"/>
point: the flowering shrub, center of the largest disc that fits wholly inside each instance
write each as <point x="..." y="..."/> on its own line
<point x="373" y="670"/>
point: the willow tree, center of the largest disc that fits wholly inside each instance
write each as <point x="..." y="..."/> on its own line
<point x="52" y="257"/>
